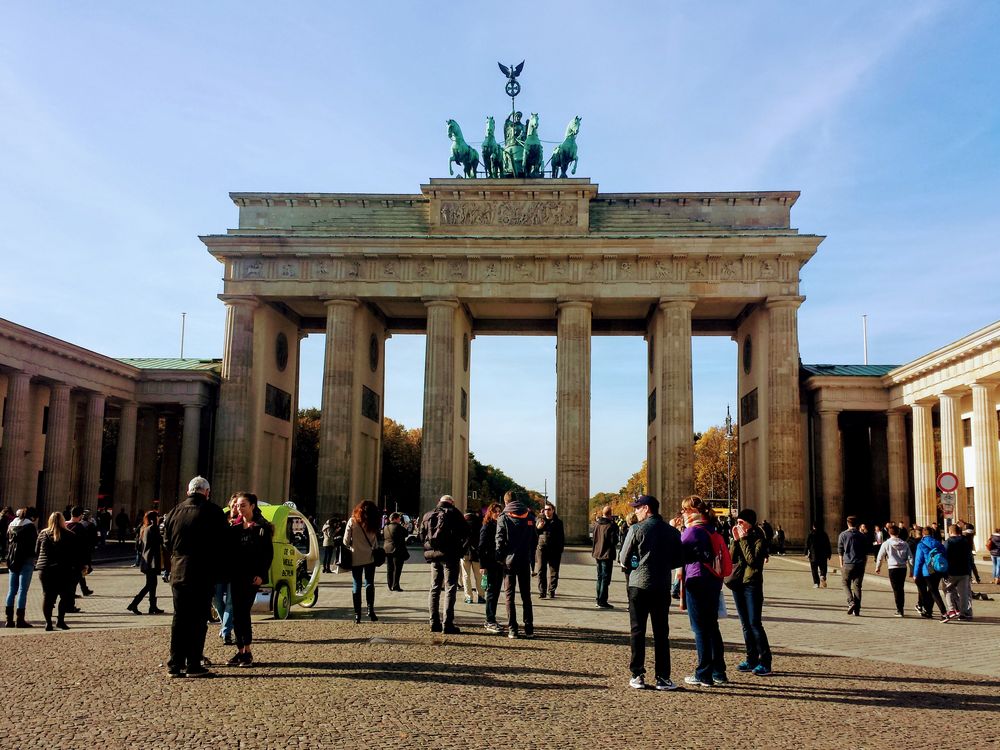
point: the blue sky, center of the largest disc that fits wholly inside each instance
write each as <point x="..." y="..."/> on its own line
<point x="125" y="125"/>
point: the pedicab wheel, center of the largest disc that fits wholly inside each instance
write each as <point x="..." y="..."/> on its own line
<point x="282" y="602"/>
<point x="311" y="598"/>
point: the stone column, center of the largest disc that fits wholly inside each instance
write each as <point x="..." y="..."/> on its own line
<point x="232" y="436"/>
<point x="952" y="453"/>
<point x="338" y="407"/>
<point x="896" y="449"/>
<point x="786" y="504"/>
<point x="984" y="446"/>
<point x="675" y="403"/>
<point x="573" y="416"/>
<point x="15" y="441"/>
<point x="170" y="481"/>
<point x="125" y="463"/>
<point x="55" y="463"/>
<point x="93" y="439"/>
<point x="924" y="493"/>
<point x="832" y="462"/>
<point x="438" y="445"/>
<point x="148" y="441"/>
<point x="190" y="439"/>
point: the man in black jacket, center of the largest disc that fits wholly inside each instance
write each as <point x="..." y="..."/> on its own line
<point x="443" y="533"/>
<point x="853" y="548"/>
<point x="516" y="544"/>
<point x="194" y="536"/>
<point x="652" y="549"/>
<point x="605" y="534"/>
<point x="551" y="542"/>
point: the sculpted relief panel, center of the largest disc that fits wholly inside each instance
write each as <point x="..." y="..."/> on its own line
<point x="509" y="213"/>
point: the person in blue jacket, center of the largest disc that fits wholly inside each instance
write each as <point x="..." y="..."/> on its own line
<point x="928" y="580"/>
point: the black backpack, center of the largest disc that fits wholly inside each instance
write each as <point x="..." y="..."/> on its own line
<point x="439" y="541"/>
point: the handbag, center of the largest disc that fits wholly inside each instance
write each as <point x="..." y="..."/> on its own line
<point x="378" y="554"/>
<point x="344" y="562"/>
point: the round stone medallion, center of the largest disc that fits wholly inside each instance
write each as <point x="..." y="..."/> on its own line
<point x="747" y="354"/>
<point x="373" y="352"/>
<point x="281" y="352"/>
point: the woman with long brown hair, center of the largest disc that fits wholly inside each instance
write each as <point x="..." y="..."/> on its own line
<point x="150" y="561"/>
<point x="362" y="537"/>
<point x="491" y="567"/>
<point x="57" y="567"/>
<point x="249" y="565"/>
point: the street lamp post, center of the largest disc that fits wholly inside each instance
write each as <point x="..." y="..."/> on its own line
<point x="729" y="460"/>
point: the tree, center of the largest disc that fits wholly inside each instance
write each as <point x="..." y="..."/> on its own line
<point x="714" y="470"/>
<point x="305" y="459"/>
<point x="400" y="485"/>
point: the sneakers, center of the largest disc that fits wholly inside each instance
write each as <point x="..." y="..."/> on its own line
<point x="227" y="639"/>
<point x="173" y="673"/>
<point x="197" y="672"/>
<point x="529" y="632"/>
<point x="720" y="679"/>
<point x="744" y="666"/>
<point x="822" y="583"/>
<point x="664" y="684"/>
<point x="638" y="682"/>
<point x="693" y="680"/>
<point x="899" y="613"/>
<point x="541" y="595"/>
<point x="815" y="585"/>
<point x="236" y="661"/>
<point x="552" y="595"/>
<point x="479" y="600"/>
<point x="468" y="600"/>
<point x="761" y="671"/>
<point x="494" y="628"/>
<point x="605" y="605"/>
<point x="513" y="634"/>
<point x="247" y="659"/>
<point x="950" y="615"/>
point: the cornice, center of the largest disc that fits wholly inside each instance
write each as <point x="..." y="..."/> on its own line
<point x="975" y="342"/>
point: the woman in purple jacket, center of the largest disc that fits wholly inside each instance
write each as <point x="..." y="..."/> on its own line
<point x="702" y="588"/>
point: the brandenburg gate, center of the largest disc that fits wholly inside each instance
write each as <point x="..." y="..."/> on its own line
<point x="476" y="257"/>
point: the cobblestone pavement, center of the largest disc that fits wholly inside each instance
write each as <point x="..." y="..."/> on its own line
<point x="839" y="682"/>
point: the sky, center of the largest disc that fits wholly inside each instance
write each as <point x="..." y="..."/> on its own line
<point x="125" y="125"/>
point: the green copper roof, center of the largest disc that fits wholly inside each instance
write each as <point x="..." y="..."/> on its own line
<point x="862" y="371"/>
<point x="172" y="363"/>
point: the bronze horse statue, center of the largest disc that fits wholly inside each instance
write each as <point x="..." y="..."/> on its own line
<point x="534" y="159"/>
<point x="565" y="152"/>
<point x="492" y="151"/>
<point x="461" y="152"/>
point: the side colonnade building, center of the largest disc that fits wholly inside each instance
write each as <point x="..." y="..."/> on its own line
<point x="72" y="416"/>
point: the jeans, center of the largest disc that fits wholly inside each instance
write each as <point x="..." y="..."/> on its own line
<point x="224" y="606"/>
<point x="189" y="625"/>
<point x="327" y="557"/>
<point x="444" y="574"/>
<point x="749" y="600"/>
<point x="958" y="590"/>
<point x="243" y="595"/>
<point x="17" y="584"/>
<point x="818" y="568"/>
<point x="494" y="581"/>
<point x="929" y="593"/>
<point x="702" y="598"/>
<point x="996" y="566"/>
<point x="852" y="578"/>
<point x="603" y="580"/>
<point x="897" y="579"/>
<point x="393" y="570"/>
<point x="149" y="588"/>
<point x="514" y="579"/>
<point x="548" y="570"/>
<point x="654" y="605"/>
<point x="470" y="579"/>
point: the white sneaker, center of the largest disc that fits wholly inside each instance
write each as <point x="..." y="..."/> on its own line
<point x="662" y="684"/>
<point x="692" y="680"/>
<point x="638" y="682"/>
<point x="815" y="585"/>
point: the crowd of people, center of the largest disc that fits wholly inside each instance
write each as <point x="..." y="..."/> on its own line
<point x="210" y="554"/>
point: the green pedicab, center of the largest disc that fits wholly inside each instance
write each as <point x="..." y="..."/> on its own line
<point x="295" y="568"/>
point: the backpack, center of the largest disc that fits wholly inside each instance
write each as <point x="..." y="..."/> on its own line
<point x="721" y="564"/>
<point x="439" y="541"/>
<point x="936" y="561"/>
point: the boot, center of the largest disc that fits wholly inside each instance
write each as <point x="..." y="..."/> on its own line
<point x="153" y="609"/>
<point x="21" y="622"/>
<point x="47" y="613"/>
<point x="10" y="617"/>
<point x="370" y="599"/>
<point x="356" y="595"/>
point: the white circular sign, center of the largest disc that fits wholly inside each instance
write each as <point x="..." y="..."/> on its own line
<point x="947" y="482"/>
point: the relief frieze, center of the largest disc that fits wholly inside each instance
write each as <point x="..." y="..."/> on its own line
<point x="508" y="213"/>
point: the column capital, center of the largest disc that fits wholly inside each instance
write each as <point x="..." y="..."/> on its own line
<point x="985" y="383"/>
<point x="792" y="301"/>
<point x="568" y="302"/>
<point x="440" y="302"/>
<point x="926" y="401"/>
<point x="20" y="374"/>
<point x="677" y="303"/>
<point x="329" y="302"/>
<point x="828" y="411"/>
<point x="233" y="300"/>
<point x="896" y="412"/>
